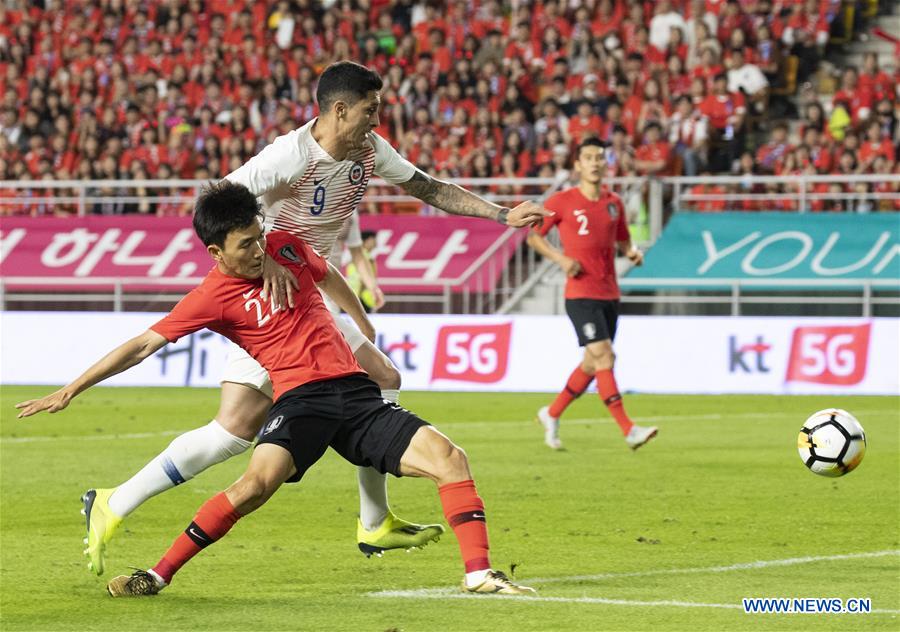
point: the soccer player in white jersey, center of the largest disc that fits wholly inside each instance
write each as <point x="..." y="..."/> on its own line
<point x="310" y="181"/>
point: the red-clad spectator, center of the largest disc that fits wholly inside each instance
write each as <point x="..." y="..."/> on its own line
<point x="806" y="23"/>
<point x="708" y="68"/>
<point x="875" y="81"/>
<point x="731" y="19"/>
<point x="607" y="21"/>
<point x="514" y="149"/>
<point x="875" y="144"/>
<point x="584" y="124"/>
<point x="548" y="16"/>
<point x="688" y="135"/>
<point x="725" y="110"/>
<point x="819" y="151"/>
<point x="522" y="46"/>
<point x="678" y="81"/>
<point x="653" y="107"/>
<point x="653" y="156"/>
<point x="768" y="55"/>
<point x="858" y="99"/>
<point x="884" y="186"/>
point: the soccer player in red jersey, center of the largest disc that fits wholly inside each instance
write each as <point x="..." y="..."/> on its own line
<point x="311" y="181"/>
<point x="591" y="224"/>
<point x="322" y="396"/>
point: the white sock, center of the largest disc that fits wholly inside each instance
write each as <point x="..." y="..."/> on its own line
<point x="373" y="502"/>
<point x="187" y="455"/>
<point x="160" y="582"/>
<point x="476" y="577"/>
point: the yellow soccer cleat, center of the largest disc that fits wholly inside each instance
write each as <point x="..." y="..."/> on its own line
<point x="496" y="582"/>
<point x="395" y="533"/>
<point x="101" y="524"/>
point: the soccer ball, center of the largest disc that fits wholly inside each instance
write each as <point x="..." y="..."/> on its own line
<point x="831" y="442"/>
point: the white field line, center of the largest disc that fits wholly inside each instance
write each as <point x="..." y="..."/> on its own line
<point x="656" y="419"/>
<point x="452" y="593"/>
<point x="97" y="437"/>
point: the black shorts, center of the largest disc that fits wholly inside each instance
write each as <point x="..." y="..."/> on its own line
<point x="346" y="413"/>
<point x="594" y="319"/>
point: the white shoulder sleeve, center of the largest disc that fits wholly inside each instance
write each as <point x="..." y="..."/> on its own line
<point x="353" y="239"/>
<point x="277" y="164"/>
<point x="389" y="164"/>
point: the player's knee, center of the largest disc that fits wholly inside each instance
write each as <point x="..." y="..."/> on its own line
<point x="601" y="357"/>
<point x="243" y="424"/>
<point x="250" y="492"/>
<point x="451" y="464"/>
<point x="606" y="360"/>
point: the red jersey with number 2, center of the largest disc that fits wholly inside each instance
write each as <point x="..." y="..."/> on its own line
<point x="589" y="231"/>
<point x="296" y="346"/>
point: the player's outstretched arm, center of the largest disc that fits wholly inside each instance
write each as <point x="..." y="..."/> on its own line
<point x="454" y="199"/>
<point x="367" y="274"/>
<point x="119" y="359"/>
<point x="570" y="266"/>
<point x="335" y="285"/>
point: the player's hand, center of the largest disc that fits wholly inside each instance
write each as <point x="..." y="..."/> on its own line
<point x="378" y="295"/>
<point x="52" y="403"/>
<point x="570" y="266"/>
<point x="527" y="214"/>
<point x="279" y="284"/>
<point x="635" y="256"/>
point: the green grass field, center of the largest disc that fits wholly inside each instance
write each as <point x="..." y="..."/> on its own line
<point x="717" y="508"/>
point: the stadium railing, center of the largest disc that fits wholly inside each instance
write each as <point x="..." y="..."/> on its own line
<point x="648" y="200"/>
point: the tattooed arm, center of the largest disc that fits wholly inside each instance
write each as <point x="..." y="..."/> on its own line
<point x="454" y="199"/>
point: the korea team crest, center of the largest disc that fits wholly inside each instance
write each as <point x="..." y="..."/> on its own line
<point x="288" y="252"/>
<point x="357" y="173"/>
<point x="613" y="210"/>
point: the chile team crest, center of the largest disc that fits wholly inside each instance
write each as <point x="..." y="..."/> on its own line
<point x="357" y="173"/>
<point x="613" y="210"/>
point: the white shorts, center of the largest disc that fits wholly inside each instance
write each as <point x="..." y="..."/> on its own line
<point x="240" y="368"/>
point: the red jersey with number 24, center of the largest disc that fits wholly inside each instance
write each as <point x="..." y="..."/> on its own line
<point x="589" y="231"/>
<point x="295" y="346"/>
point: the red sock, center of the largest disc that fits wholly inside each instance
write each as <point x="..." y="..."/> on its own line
<point x="609" y="393"/>
<point x="213" y="520"/>
<point x="464" y="510"/>
<point x="577" y="384"/>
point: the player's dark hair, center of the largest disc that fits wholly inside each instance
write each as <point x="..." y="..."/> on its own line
<point x="593" y="141"/>
<point x="221" y="208"/>
<point x="345" y="81"/>
<point x="368" y="234"/>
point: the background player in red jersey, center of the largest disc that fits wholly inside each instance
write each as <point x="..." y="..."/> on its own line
<point x="322" y="396"/>
<point x="591" y="224"/>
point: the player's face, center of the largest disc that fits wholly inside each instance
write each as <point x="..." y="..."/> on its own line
<point x="590" y="164"/>
<point x="243" y="253"/>
<point x="362" y="118"/>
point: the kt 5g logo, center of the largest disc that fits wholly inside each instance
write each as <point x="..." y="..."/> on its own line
<point x="829" y="355"/>
<point x="472" y="353"/>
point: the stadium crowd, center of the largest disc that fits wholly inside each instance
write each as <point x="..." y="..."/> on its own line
<point x="190" y="89"/>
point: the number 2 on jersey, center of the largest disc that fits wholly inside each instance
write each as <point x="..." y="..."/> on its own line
<point x="318" y="201"/>
<point x="583" y="221"/>
<point x="253" y="303"/>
